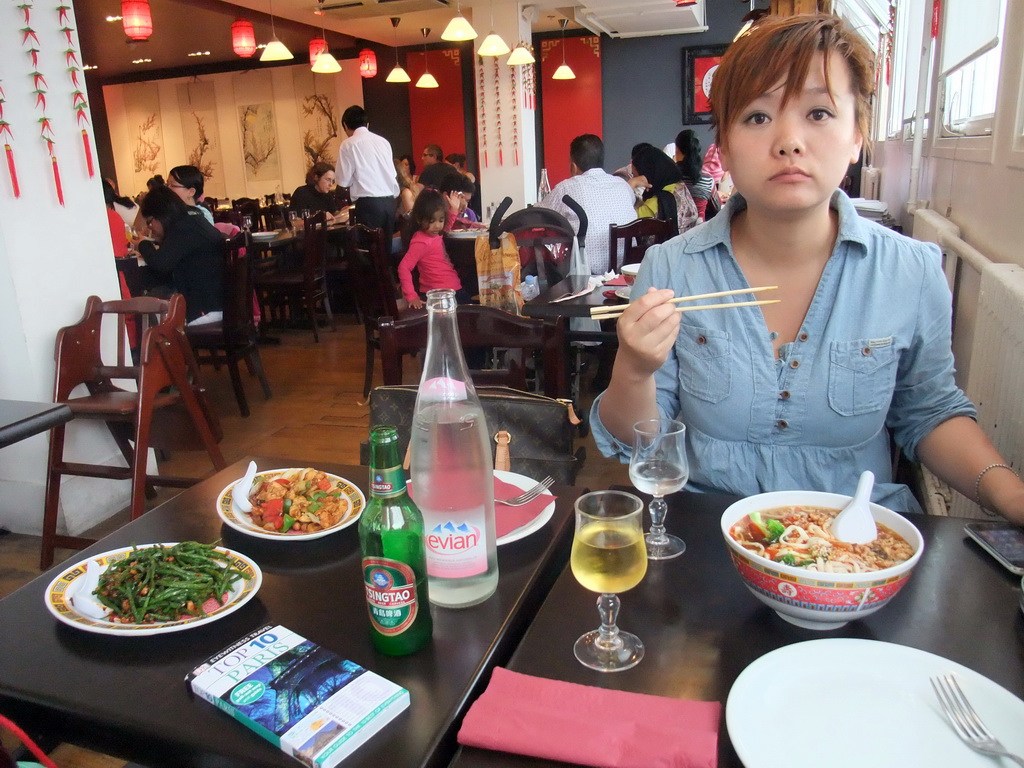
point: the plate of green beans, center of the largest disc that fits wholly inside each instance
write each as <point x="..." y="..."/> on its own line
<point x="153" y="588"/>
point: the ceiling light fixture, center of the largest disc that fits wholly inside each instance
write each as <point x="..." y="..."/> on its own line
<point x="564" y="72"/>
<point x="367" y="63"/>
<point x="397" y="75"/>
<point x="459" y="29"/>
<point x="320" y="56"/>
<point x="493" y="45"/>
<point x="521" y="54"/>
<point x="426" y="80"/>
<point x="275" y="50"/>
<point x="137" y="19"/>
<point x="243" y="38"/>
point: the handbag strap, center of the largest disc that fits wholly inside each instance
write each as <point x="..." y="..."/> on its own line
<point x="502" y="458"/>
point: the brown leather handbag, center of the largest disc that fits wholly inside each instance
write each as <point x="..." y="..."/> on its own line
<point x="532" y="434"/>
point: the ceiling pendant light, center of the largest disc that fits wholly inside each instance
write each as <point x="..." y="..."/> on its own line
<point x="493" y="45"/>
<point x="275" y="50"/>
<point x="367" y="63"/>
<point x="243" y="38"/>
<point x="521" y="54"/>
<point x="137" y="19"/>
<point x="563" y="72"/>
<point x="426" y="80"/>
<point x="320" y="55"/>
<point x="459" y="29"/>
<point x="397" y="75"/>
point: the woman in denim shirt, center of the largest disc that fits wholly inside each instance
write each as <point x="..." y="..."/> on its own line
<point x="803" y="394"/>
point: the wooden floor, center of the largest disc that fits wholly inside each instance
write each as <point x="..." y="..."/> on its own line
<point x="315" y="415"/>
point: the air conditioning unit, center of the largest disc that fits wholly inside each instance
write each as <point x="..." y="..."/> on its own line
<point x="870" y="183"/>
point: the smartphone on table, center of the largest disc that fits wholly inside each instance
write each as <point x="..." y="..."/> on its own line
<point x="1004" y="541"/>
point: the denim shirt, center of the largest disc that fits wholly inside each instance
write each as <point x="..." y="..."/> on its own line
<point x="872" y="357"/>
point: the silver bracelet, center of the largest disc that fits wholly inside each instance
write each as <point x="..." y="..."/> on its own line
<point x="977" y="481"/>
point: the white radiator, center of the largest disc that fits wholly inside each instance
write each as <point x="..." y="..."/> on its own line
<point x="870" y="183"/>
<point x="988" y="346"/>
<point x="997" y="367"/>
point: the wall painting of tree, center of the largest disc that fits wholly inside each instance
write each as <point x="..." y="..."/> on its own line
<point x="197" y="106"/>
<point x="259" y="142"/>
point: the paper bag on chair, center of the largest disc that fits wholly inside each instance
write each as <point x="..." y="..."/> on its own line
<point x="497" y="272"/>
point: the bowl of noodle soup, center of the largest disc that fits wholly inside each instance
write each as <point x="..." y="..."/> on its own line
<point x="804" y="574"/>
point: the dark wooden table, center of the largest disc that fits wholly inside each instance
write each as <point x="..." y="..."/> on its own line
<point x="546" y="308"/>
<point x="20" y="419"/>
<point x="701" y="627"/>
<point x="126" y="696"/>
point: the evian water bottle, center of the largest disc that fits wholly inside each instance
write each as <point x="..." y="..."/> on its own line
<point x="452" y="470"/>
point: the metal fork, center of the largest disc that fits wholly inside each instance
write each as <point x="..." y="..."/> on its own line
<point x="528" y="495"/>
<point x="965" y="721"/>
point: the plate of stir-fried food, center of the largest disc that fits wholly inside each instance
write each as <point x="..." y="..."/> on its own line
<point x="295" y="503"/>
<point x="153" y="588"/>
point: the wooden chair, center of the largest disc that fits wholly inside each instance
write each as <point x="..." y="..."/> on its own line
<point x="636" y="237"/>
<point x="486" y="327"/>
<point x="233" y="338"/>
<point x="305" y="285"/>
<point x="167" y="380"/>
<point x="273" y="217"/>
<point x="366" y="251"/>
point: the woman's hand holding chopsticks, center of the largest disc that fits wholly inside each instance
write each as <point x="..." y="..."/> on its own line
<point x="607" y="313"/>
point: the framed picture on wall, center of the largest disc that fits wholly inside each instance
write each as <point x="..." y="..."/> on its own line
<point x="699" y="66"/>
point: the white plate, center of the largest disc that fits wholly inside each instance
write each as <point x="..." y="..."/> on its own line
<point x="60" y="596"/>
<point x="243" y="523"/>
<point x="522" y="482"/>
<point x="467" y="234"/>
<point x="623" y="293"/>
<point x="846" y="703"/>
<point x="263" y="235"/>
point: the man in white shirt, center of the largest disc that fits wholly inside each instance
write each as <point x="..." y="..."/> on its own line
<point x="606" y="199"/>
<point x="366" y="165"/>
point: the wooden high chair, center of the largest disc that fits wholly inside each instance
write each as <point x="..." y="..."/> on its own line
<point x="169" y="408"/>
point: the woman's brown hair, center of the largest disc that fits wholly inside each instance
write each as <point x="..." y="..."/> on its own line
<point x="318" y="170"/>
<point x="784" y="46"/>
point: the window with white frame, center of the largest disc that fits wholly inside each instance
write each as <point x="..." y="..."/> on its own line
<point x="972" y="33"/>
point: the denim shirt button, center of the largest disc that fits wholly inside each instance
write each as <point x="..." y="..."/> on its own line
<point x="784" y="394"/>
<point x="866" y="351"/>
<point x="803" y="337"/>
<point x="782" y="424"/>
<point x="702" y="340"/>
<point x="794" y="363"/>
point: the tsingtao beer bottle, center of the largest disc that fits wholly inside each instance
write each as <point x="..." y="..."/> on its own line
<point x="394" y="557"/>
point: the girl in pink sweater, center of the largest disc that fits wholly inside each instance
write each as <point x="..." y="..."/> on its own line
<point x="426" y="252"/>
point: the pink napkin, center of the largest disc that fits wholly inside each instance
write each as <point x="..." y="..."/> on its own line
<point x="555" y="720"/>
<point x="616" y="281"/>
<point x="506" y="518"/>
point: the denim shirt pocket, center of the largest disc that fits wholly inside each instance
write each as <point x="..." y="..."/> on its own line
<point x="861" y="375"/>
<point x="705" y="369"/>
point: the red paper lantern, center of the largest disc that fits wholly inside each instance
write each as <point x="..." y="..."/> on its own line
<point x="685" y="3"/>
<point x="367" y="63"/>
<point x="316" y="46"/>
<point x="137" y="19"/>
<point x="243" y="38"/>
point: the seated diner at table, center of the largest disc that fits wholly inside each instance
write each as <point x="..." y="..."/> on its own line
<point x="804" y="393"/>
<point x="185" y="256"/>
<point x="665" y="196"/>
<point x="688" y="159"/>
<point x="315" y="195"/>
<point x="187" y="182"/>
<point x="457" y="191"/>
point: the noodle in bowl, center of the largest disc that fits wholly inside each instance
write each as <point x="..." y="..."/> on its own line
<point x="813" y="599"/>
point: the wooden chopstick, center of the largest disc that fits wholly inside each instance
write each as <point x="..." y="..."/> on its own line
<point x="618" y="309"/>
<point x="622" y="308"/>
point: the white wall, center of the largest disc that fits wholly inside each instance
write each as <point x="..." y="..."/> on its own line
<point x="52" y="258"/>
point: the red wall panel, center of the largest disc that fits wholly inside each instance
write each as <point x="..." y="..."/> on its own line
<point x="436" y="114"/>
<point x="571" y="107"/>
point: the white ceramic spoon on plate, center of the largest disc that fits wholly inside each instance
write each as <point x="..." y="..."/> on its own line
<point x="242" y="490"/>
<point x="855" y="524"/>
<point x="83" y="599"/>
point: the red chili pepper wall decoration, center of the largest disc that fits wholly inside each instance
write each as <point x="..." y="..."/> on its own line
<point x="481" y="99"/>
<point x="5" y="133"/>
<point x="40" y="87"/>
<point x="78" y="102"/>
<point x="497" y="108"/>
<point x="515" y="117"/>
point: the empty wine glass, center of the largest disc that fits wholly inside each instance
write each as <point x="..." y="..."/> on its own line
<point x="608" y="557"/>
<point x="247" y="222"/>
<point x="658" y="466"/>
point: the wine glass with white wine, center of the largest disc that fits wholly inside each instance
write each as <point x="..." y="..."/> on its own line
<point x="658" y="466"/>
<point x="608" y="557"/>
